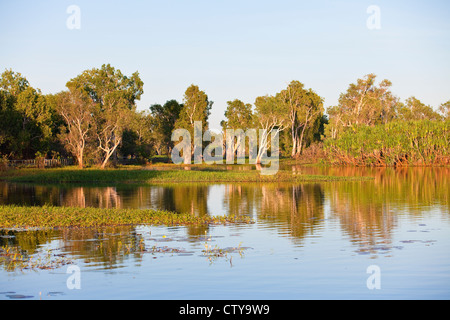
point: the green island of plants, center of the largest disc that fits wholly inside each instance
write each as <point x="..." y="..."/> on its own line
<point x="24" y="218"/>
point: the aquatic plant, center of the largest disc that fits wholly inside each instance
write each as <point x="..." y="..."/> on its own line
<point x="14" y="258"/>
<point x="399" y="143"/>
<point x="23" y="218"/>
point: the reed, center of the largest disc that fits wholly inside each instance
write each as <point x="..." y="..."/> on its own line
<point x="401" y="143"/>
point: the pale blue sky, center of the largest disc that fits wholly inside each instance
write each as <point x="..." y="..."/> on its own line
<point x="233" y="49"/>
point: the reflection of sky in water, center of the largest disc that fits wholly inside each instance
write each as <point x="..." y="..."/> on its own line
<point x="216" y="194"/>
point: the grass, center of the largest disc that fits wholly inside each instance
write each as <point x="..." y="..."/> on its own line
<point x="168" y="175"/>
<point x="24" y="218"/>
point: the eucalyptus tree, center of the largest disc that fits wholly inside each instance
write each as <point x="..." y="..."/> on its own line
<point x="76" y="108"/>
<point x="196" y="108"/>
<point x="305" y="107"/>
<point x="139" y="139"/>
<point x="414" y="109"/>
<point x="444" y="109"/>
<point x="115" y="96"/>
<point x="164" y="118"/>
<point x="272" y="116"/>
<point x="239" y="118"/>
<point x="363" y="103"/>
<point x="26" y="117"/>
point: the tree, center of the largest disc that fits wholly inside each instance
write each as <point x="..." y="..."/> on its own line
<point x="13" y="82"/>
<point x="272" y="115"/>
<point x="295" y="97"/>
<point x="138" y="139"/>
<point x="196" y="107"/>
<point x="6" y="121"/>
<point x="115" y="96"/>
<point x="76" y="108"/>
<point x="37" y="120"/>
<point x="308" y="116"/>
<point x="444" y="109"/>
<point x="305" y="107"/>
<point x="363" y="103"/>
<point x="414" y="109"/>
<point x="164" y="119"/>
<point x="239" y="115"/>
<point x="27" y="117"/>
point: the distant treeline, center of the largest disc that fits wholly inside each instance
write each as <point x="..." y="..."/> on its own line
<point x="96" y="118"/>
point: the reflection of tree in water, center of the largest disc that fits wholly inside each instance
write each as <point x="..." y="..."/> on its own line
<point x="31" y="195"/>
<point x="368" y="211"/>
<point x="108" y="247"/>
<point x="297" y="208"/>
<point x="367" y="222"/>
<point x="28" y="241"/>
<point x="293" y="209"/>
<point x="239" y="199"/>
<point x="104" y="197"/>
<point x="192" y="199"/>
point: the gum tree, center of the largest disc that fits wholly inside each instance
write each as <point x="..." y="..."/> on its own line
<point x="272" y="115"/>
<point x="305" y="107"/>
<point x="26" y="117"/>
<point x="363" y="103"/>
<point x="414" y="109"/>
<point x="196" y="108"/>
<point x="76" y="108"/>
<point x="115" y="96"/>
<point x="444" y="109"/>
<point x="164" y="119"/>
<point x="239" y="116"/>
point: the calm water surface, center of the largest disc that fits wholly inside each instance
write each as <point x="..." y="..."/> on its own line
<point x="310" y="241"/>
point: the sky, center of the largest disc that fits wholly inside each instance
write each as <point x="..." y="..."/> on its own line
<point x="233" y="49"/>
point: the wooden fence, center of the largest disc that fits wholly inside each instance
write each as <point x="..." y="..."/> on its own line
<point x="47" y="163"/>
<point x="55" y="163"/>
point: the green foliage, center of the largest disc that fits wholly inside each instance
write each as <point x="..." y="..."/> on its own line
<point x="364" y="102"/>
<point x="397" y="143"/>
<point x="239" y="115"/>
<point x="97" y="119"/>
<point x="196" y="107"/>
<point x="370" y="126"/>
<point x="444" y="109"/>
<point x="414" y="109"/>
<point x="114" y="176"/>
<point x="163" y="123"/>
<point x="12" y="217"/>
<point x="114" y="96"/>
<point x="26" y="118"/>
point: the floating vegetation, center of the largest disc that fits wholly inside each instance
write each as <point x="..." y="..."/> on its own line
<point x="368" y="250"/>
<point x="24" y="218"/>
<point x="13" y="259"/>
<point x="214" y="253"/>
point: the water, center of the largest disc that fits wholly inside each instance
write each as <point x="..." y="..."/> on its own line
<point x="309" y="241"/>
